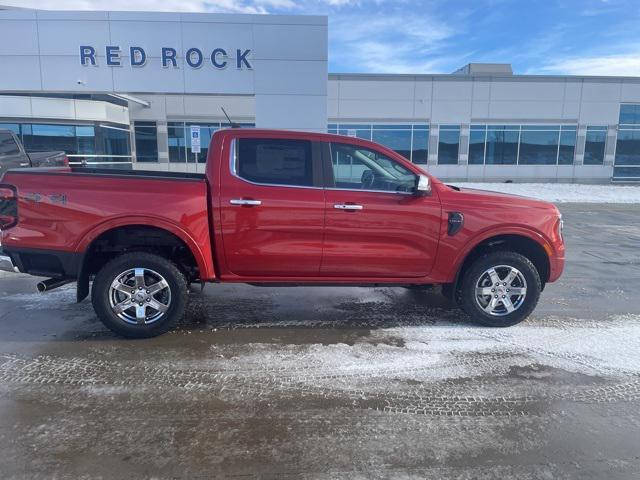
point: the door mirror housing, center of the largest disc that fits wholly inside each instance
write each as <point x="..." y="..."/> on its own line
<point x="423" y="186"/>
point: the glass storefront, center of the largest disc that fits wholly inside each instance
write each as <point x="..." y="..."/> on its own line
<point x="522" y="144"/>
<point x="93" y="144"/>
<point x="627" y="163"/>
<point x="409" y="140"/>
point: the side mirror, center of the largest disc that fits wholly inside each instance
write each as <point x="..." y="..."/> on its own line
<point x="423" y="186"/>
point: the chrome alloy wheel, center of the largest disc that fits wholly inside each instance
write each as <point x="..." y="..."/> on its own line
<point x="140" y="296"/>
<point x="501" y="290"/>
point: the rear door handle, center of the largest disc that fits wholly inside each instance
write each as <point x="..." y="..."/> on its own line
<point x="347" y="206"/>
<point x="246" y="202"/>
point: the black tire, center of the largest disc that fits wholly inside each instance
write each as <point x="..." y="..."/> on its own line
<point x="101" y="294"/>
<point x="475" y="272"/>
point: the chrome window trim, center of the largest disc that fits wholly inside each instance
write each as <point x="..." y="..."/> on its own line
<point x="233" y="160"/>
<point x="369" y="191"/>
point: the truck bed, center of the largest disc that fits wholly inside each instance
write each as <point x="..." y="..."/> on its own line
<point x="63" y="210"/>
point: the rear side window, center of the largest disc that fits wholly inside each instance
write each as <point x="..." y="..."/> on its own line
<point x="275" y="162"/>
<point x="8" y="145"/>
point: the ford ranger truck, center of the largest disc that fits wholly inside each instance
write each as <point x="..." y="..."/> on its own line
<point x="13" y="154"/>
<point x="275" y="208"/>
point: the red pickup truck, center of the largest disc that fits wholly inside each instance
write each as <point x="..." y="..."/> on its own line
<point x="276" y="208"/>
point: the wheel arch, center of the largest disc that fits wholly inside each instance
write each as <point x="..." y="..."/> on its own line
<point x="526" y="244"/>
<point x="140" y="234"/>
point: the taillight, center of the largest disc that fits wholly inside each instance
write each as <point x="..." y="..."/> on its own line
<point x="8" y="206"/>
<point x="65" y="161"/>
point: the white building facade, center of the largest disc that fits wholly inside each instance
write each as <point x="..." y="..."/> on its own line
<point x="122" y="89"/>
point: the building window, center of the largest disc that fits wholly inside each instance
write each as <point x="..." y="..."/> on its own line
<point x="91" y="144"/>
<point x="146" y="134"/>
<point x="420" y="144"/>
<point x="448" y="144"/>
<point x="177" y="142"/>
<point x="628" y="147"/>
<point x="567" y="148"/>
<point x="409" y="140"/>
<point x="594" y="145"/>
<point x="114" y="143"/>
<point x="179" y="134"/>
<point x="538" y="145"/>
<point x="627" y="164"/>
<point x="629" y="114"/>
<point x="522" y="144"/>
<point x="38" y="137"/>
<point x="355" y="130"/>
<point x="477" y="139"/>
<point x="502" y="144"/>
<point x="14" y="127"/>
<point x="395" y="137"/>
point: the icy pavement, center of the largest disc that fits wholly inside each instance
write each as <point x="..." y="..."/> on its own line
<point x="336" y="383"/>
<point x="563" y="192"/>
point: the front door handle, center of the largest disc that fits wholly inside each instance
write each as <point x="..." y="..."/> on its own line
<point x="245" y="202"/>
<point x="347" y="206"/>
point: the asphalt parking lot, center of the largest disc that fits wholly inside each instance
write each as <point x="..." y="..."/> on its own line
<point x="345" y="383"/>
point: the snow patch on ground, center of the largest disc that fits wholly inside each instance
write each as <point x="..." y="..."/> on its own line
<point x="563" y="192"/>
<point x="446" y="352"/>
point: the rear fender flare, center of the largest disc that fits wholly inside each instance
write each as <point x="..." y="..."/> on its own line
<point x="202" y="256"/>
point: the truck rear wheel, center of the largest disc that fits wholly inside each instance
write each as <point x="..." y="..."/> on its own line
<point x="500" y="289"/>
<point x="139" y="295"/>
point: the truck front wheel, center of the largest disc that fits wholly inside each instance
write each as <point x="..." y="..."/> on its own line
<point x="139" y="295"/>
<point x="500" y="289"/>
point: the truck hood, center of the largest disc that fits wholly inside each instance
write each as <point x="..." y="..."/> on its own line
<point x="488" y="196"/>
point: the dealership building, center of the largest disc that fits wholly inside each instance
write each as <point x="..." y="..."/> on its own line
<point x="123" y="89"/>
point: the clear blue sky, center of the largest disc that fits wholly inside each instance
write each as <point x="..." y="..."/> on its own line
<point x="591" y="37"/>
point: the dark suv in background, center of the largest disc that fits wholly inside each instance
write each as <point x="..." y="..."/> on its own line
<point x="13" y="154"/>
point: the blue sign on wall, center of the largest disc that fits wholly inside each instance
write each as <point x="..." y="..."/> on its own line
<point x="219" y="58"/>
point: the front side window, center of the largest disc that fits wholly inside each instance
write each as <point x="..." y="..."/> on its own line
<point x="358" y="168"/>
<point x="275" y="161"/>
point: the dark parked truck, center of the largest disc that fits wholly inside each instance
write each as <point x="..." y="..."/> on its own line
<point x="276" y="208"/>
<point x="13" y="154"/>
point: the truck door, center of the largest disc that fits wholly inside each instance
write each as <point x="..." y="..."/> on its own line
<point x="375" y="225"/>
<point x="272" y="207"/>
<point x="10" y="154"/>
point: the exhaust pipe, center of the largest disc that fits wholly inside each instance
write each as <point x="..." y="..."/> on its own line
<point x="48" y="285"/>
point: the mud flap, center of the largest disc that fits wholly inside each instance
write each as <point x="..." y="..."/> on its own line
<point x="82" y="290"/>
